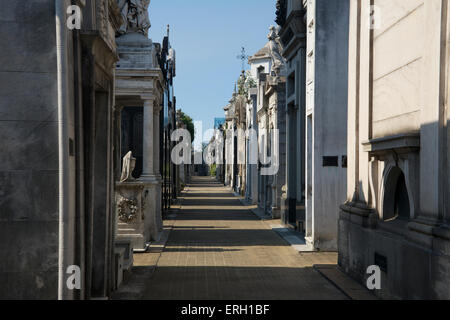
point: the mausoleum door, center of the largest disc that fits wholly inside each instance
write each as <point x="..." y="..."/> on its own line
<point x="132" y="136"/>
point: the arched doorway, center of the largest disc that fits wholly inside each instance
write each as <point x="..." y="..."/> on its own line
<point x="396" y="200"/>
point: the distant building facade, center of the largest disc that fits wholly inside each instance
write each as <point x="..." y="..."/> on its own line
<point x="326" y="119"/>
<point x="290" y="16"/>
<point x="260" y="63"/>
<point x="266" y="109"/>
<point x="314" y="34"/>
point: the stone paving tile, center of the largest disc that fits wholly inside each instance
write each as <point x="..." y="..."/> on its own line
<point x="217" y="249"/>
<point x="351" y="288"/>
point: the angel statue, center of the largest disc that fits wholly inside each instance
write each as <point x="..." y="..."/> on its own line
<point x="275" y="47"/>
<point x="129" y="163"/>
<point x="135" y="16"/>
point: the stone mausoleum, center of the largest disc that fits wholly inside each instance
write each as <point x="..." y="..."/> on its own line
<point x="57" y="169"/>
<point x="76" y="80"/>
<point x="397" y="213"/>
<point x="139" y="94"/>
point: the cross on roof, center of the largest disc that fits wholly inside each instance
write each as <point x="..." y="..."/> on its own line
<point x="243" y="56"/>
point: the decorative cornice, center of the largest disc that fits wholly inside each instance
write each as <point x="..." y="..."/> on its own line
<point x="359" y="213"/>
<point x="402" y="143"/>
<point x="360" y="209"/>
<point x="293" y="33"/>
<point x="130" y="185"/>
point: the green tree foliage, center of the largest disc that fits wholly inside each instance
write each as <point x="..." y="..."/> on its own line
<point x="189" y="124"/>
<point x="213" y="170"/>
<point x="245" y="82"/>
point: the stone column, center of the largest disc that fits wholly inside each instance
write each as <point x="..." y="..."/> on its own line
<point x="148" y="141"/>
<point x="254" y="166"/>
<point x="156" y="139"/>
<point x="151" y="176"/>
<point x="117" y="141"/>
<point x="432" y="136"/>
<point x="291" y="165"/>
<point x="247" y="168"/>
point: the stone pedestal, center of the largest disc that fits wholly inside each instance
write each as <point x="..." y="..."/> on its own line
<point x="130" y="211"/>
<point x="152" y="208"/>
<point x="136" y="51"/>
<point x="128" y="258"/>
<point x="138" y="209"/>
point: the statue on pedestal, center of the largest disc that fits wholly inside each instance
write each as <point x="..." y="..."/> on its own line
<point x="275" y="48"/>
<point x="135" y="16"/>
<point x="129" y="163"/>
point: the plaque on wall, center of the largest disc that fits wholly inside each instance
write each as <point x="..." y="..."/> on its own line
<point x="331" y="161"/>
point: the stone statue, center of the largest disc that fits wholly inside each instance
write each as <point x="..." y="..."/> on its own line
<point x="129" y="163"/>
<point x="135" y="16"/>
<point x="275" y="47"/>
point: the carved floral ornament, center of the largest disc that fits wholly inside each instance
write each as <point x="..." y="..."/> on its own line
<point x="127" y="210"/>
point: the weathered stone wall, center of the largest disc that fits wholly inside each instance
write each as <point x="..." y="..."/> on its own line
<point x="398" y="52"/>
<point x="398" y="122"/>
<point x="412" y="271"/>
<point x="29" y="150"/>
<point x="30" y="143"/>
<point x="327" y="74"/>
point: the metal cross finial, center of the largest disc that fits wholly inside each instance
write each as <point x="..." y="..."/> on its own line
<point x="243" y="56"/>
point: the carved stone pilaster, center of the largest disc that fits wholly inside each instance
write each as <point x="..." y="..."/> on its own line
<point x="109" y="21"/>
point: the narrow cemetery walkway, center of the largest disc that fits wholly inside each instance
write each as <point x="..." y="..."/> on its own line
<point x="218" y="249"/>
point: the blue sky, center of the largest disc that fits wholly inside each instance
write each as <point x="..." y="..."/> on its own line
<point x="207" y="36"/>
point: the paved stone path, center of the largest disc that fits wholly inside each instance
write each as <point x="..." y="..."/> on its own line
<point x="217" y="249"/>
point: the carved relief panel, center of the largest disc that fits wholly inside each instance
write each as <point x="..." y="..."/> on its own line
<point x="108" y="21"/>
